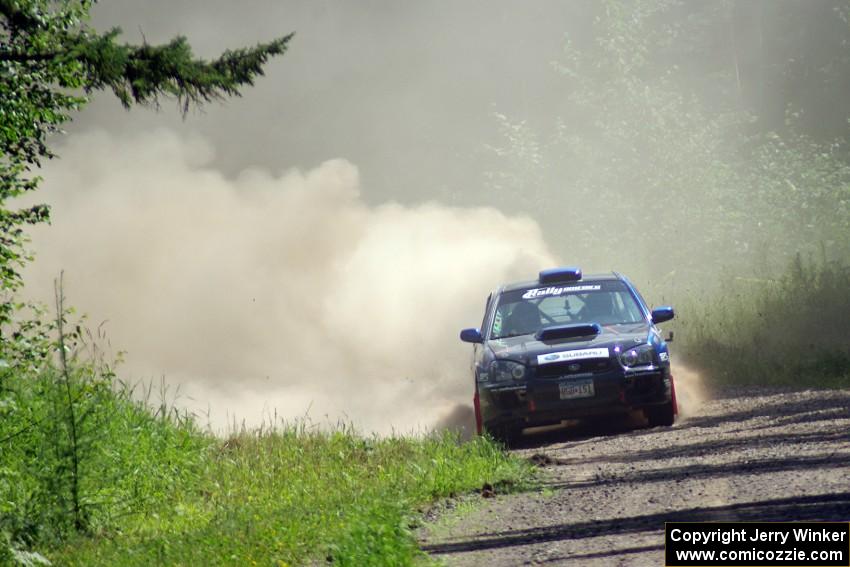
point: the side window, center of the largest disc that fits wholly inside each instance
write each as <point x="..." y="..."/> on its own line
<point x="486" y="310"/>
<point x="642" y="300"/>
<point x="497" y="322"/>
<point x="630" y="310"/>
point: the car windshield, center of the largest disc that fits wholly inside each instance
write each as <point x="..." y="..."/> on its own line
<point x="525" y="311"/>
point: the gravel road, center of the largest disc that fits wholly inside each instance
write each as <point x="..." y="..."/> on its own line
<point x="746" y="454"/>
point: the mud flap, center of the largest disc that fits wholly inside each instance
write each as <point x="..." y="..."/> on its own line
<point x="673" y="395"/>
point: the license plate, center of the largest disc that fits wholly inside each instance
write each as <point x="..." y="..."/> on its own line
<point x="578" y="389"/>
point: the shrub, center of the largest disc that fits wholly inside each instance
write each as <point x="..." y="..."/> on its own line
<point x="789" y="330"/>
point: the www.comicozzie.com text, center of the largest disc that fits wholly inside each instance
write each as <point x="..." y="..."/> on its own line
<point x="743" y="534"/>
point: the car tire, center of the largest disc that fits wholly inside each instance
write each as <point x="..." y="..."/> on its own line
<point x="661" y="416"/>
<point x="505" y="434"/>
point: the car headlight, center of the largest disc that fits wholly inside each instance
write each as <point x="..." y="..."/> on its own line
<point x="639" y="356"/>
<point x="501" y="370"/>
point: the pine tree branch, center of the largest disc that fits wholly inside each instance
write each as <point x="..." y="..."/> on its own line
<point x="15" y="17"/>
<point x="14" y="57"/>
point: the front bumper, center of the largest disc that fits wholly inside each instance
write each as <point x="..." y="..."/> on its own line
<point x="537" y="401"/>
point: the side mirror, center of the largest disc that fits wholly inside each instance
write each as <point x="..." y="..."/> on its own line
<point x="471" y="336"/>
<point x="661" y="314"/>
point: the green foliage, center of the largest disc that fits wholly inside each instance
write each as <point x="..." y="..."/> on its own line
<point x="636" y="152"/>
<point x="52" y="486"/>
<point x="156" y="490"/>
<point x="799" y="193"/>
<point x="791" y="330"/>
<point x="76" y="455"/>
<point x="143" y="74"/>
<point x="49" y="59"/>
<point x="631" y="151"/>
<point x="90" y="474"/>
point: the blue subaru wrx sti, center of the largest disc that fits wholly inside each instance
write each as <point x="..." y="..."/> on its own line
<point x="566" y="346"/>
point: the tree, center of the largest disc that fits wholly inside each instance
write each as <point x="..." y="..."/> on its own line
<point x="50" y="61"/>
<point x="654" y="163"/>
<point x="631" y="159"/>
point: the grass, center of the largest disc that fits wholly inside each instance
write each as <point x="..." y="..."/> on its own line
<point x="291" y="496"/>
<point x="156" y="490"/>
<point x="789" y="330"/>
<point x="90" y="474"/>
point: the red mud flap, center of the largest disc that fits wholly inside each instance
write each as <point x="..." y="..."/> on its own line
<point x="673" y="396"/>
<point x="476" y="404"/>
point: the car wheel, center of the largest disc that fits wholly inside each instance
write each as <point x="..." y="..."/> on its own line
<point x="505" y="434"/>
<point x="663" y="415"/>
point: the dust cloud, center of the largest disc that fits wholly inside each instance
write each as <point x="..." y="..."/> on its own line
<point x="691" y="391"/>
<point x="273" y="293"/>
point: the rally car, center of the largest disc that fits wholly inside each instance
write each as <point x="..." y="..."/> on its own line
<point x="567" y="346"/>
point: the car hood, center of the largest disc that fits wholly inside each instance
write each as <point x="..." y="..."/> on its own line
<point x="526" y="348"/>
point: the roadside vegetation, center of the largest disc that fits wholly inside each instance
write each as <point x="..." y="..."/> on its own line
<point x="788" y="330"/>
<point x="93" y="473"/>
<point x="90" y="475"/>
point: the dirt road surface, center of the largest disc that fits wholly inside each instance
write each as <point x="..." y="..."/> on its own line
<point x="745" y="455"/>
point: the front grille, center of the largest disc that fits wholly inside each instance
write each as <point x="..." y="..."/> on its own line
<point x="645" y="383"/>
<point x="567" y="368"/>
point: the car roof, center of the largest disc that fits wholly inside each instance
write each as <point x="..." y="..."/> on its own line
<point x="588" y="278"/>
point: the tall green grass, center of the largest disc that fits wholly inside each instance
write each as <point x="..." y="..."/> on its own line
<point x="94" y="473"/>
<point x="292" y="496"/>
<point x="789" y="330"/>
<point x="156" y="490"/>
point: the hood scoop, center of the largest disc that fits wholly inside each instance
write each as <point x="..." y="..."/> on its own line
<point x="568" y="331"/>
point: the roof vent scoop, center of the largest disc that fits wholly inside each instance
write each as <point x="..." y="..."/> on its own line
<point x="560" y="275"/>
